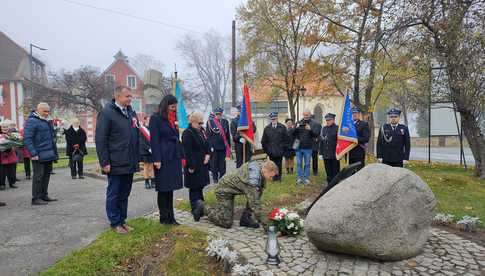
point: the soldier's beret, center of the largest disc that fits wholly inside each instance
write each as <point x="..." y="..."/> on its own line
<point x="218" y="110"/>
<point x="330" y="116"/>
<point x="355" y="109"/>
<point x="394" y="111"/>
<point x="273" y="115"/>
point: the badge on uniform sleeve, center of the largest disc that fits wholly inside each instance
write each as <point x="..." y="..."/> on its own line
<point x="402" y="131"/>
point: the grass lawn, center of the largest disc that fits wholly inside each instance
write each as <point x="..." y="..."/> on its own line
<point x="150" y="247"/>
<point x="91" y="158"/>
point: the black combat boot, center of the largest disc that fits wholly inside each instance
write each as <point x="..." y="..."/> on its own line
<point x="198" y="211"/>
<point x="247" y="220"/>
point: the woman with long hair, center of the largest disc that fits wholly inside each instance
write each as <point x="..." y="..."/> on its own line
<point x="167" y="154"/>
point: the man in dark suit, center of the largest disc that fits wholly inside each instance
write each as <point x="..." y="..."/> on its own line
<point x="117" y="138"/>
<point x="357" y="154"/>
<point x="317" y="127"/>
<point x="328" y="144"/>
<point x="393" y="142"/>
<point x="239" y="141"/>
<point x="219" y="139"/>
<point x="275" y="142"/>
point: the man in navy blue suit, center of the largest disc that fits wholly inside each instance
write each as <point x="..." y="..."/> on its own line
<point x="117" y="148"/>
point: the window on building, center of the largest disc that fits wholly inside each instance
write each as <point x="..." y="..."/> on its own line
<point x="131" y="81"/>
<point x="110" y="79"/>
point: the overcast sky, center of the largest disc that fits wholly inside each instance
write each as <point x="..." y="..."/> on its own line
<point x="77" y="35"/>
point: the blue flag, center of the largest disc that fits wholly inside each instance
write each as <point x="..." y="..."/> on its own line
<point x="347" y="134"/>
<point x="181" y="113"/>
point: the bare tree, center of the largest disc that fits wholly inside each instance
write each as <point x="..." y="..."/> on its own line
<point x="209" y="58"/>
<point x="81" y="89"/>
<point x="142" y="62"/>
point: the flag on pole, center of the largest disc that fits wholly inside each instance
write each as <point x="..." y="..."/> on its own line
<point x="181" y="113"/>
<point x="245" y="126"/>
<point x="347" y="134"/>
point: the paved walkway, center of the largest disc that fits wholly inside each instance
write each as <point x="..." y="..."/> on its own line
<point x="444" y="254"/>
<point x="34" y="237"/>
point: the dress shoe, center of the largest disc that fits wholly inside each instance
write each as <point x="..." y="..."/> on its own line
<point x="49" y="199"/>
<point x="74" y="177"/>
<point x="38" y="202"/>
<point x="27" y="177"/>
<point x="198" y="211"/>
<point x="13" y="186"/>
<point x="2" y="204"/>
<point x="81" y="177"/>
<point x="120" y="230"/>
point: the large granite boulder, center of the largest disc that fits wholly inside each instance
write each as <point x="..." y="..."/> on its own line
<point x="381" y="213"/>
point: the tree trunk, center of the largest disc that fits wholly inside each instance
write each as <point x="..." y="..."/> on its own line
<point x="476" y="140"/>
<point x="371" y="144"/>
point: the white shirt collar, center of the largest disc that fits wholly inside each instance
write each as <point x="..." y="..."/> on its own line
<point x="120" y="106"/>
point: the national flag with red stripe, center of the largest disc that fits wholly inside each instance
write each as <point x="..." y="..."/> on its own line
<point x="245" y="126"/>
<point x="347" y="134"/>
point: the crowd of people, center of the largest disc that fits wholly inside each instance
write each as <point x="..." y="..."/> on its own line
<point x="172" y="160"/>
<point x="170" y="163"/>
<point x="38" y="152"/>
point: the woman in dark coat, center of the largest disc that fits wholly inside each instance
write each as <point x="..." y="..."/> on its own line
<point x="76" y="143"/>
<point x="167" y="154"/>
<point x="290" y="152"/>
<point x="197" y="153"/>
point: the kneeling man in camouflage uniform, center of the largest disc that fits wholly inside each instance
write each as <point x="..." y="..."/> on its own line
<point x="248" y="180"/>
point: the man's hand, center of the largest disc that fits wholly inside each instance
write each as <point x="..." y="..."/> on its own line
<point x="307" y="127"/>
<point x="242" y="141"/>
<point x="35" y="158"/>
<point x="107" y="168"/>
<point x="157" y="165"/>
<point x="379" y="160"/>
<point x="206" y="159"/>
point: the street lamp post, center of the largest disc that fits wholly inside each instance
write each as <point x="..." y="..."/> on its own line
<point x="301" y="93"/>
<point x="31" y="59"/>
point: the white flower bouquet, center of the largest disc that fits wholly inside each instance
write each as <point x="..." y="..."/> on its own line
<point x="288" y="223"/>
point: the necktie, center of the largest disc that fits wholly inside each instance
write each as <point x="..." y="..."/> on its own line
<point x="125" y="112"/>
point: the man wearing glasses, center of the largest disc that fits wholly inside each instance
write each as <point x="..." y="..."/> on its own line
<point x="39" y="138"/>
<point x="393" y="142"/>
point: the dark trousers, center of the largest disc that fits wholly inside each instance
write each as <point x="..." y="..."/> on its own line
<point x="40" y="179"/>
<point x="332" y="168"/>
<point x="195" y="195"/>
<point x="355" y="160"/>
<point x="218" y="164"/>
<point x="239" y="154"/>
<point x="315" y="162"/>
<point x="119" y="189"/>
<point x="279" y="162"/>
<point x="8" y="171"/>
<point x="165" y="206"/>
<point x="27" y="166"/>
<point x="394" y="164"/>
<point x="76" y="167"/>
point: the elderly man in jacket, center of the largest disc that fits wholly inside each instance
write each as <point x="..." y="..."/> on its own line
<point x="39" y="138"/>
<point x="328" y="146"/>
<point x="275" y="141"/>
<point x="117" y="136"/>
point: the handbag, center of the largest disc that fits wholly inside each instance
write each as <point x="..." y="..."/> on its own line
<point x="77" y="156"/>
<point x="296" y="144"/>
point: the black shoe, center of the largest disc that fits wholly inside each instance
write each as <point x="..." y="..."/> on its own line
<point x="81" y="177"/>
<point x="2" y="188"/>
<point x="247" y="220"/>
<point x="147" y="184"/>
<point x="152" y="183"/>
<point x="38" y="201"/>
<point x="17" y="180"/>
<point x="27" y="177"/>
<point x="3" y="204"/>
<point x="171" y="219"/>
<point x="48" y="199"/>
<point x="13" y="186"/>
<point x="198" y="211"/>
<point x="74" y="177"/>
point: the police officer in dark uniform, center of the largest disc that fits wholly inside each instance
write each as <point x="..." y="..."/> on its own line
<point x="275" y="142"/>
<point x="317" y="127"/>
<point x="393" y="142"/>
<point x="219" y="140"/>
<point x="328" y="144"/>
<point x="357" y="154"/>
<point x="239" y="141"/>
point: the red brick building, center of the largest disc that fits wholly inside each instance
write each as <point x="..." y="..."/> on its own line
<point x="119" y="73"/>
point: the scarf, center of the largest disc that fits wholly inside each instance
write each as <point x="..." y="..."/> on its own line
<point x="172" y="119"/>
<point x="223" y="134"/>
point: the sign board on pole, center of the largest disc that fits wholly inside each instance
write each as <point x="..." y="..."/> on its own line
<point x="443" y="122"/>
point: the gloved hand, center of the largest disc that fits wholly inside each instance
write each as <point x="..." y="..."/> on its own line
<point x="242" y="141"/>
